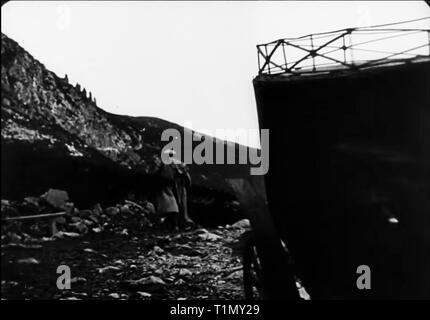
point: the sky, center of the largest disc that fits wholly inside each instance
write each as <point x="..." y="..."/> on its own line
<point x="191" y="63"/>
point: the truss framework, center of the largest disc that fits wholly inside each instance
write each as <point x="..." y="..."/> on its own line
<point x="346" y="49"/>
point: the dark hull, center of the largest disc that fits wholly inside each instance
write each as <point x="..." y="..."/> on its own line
<point x="348" y="154"/>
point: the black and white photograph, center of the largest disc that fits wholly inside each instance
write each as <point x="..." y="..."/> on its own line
<point x="230" y="152"/>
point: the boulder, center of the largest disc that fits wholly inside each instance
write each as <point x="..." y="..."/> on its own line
<point x="147" y="284"/>
<point x="157" y="249"/>
<point x="149" y="208"/>
<point x="185" y="272"/>
<point x="185" y="250"/>
<point x="144" y="294"/>
<point x="125" y="209"/>
<point x="56" y="198"/>
<point x="70" y="208"/>
<point x="78" y="279"/>
<point x="32" y="200"/>
<point x="60" y="220"/>
<point x="88" y="223"/>
<point x="30" y="205"/>
<point x="61" y="234"/>
<point x="93" y="218"/>
<point x="97" y="230"/>
<point x="7" y="210"/>
<point x="5" y="102"/>
<point x="85" y="213"/>
<point x="112" y="211"/>
<point x="209" y="236"/>
<point x="14" y="238"/>
<point x="75" y="219"/>
<point x="80" y="227"/>
<point x="241" y="224"/>
<point x="97" y="210"/>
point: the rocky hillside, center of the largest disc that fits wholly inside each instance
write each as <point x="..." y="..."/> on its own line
<point x="53" y="135"/>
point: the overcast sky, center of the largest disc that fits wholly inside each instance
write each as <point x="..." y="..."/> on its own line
<point x="180" y="61"/>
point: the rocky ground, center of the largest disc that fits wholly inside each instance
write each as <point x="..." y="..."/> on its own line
<point x="122" y="258"/>
<point x="197" y="264"/>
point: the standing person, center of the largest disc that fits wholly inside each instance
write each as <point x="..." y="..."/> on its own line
<point x="177" y="174"/>
<point x="167" y="205"/>
<point x="183" y="183"/>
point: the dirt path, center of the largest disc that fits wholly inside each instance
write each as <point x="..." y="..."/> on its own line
<point x="198" y="264"/>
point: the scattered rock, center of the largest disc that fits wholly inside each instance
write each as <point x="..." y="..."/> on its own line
<point x="185" y="272"/>
<point x="85" y="213"/>
<point x="151" y="283"/>
<point x="185" y="250"/>
<point x="120" y="262"/>
<point x="201" y="230"/>
<point x="125" y="209"/>
<point x="14" y="238"/>
<point x="22" y="246"/>
<point x="69" y="208"/>
<point x="108" y="268"/>
<point x="78" y="279"/>
<point x="68" y="234"/>
<point x="167" y="269"/>
<point x="94" y="218"/>
<point x="209" y="236"/>
<point x="149" y="208"/>
<point x="28" y="261"/>
<point x="157" y="249"/>
<point x="32" y="200"/>
<point x="80" y="227"/>
<point x="88" y="223"/>
<point x="144" y="294"/>
<point x="75" y="219"/>
<point x="97" y="230"/>
<point x="112" y="211"/>
<point x="235" y="275"/>
<point x="58" y="235"/>
<point x="5" y="102"/>
<point x="244" y="223"/>
<point x="60" y="220"/>
<point x="97" y="210"/>
<point x="56" y="198"/>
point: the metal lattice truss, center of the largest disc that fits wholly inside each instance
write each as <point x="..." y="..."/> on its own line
<point x="347" y="49"/>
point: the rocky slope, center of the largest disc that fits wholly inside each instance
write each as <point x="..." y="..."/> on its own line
<point x="53" y="135"/>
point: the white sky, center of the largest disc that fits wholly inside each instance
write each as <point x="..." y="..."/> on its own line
<point x="180" y="61"/>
